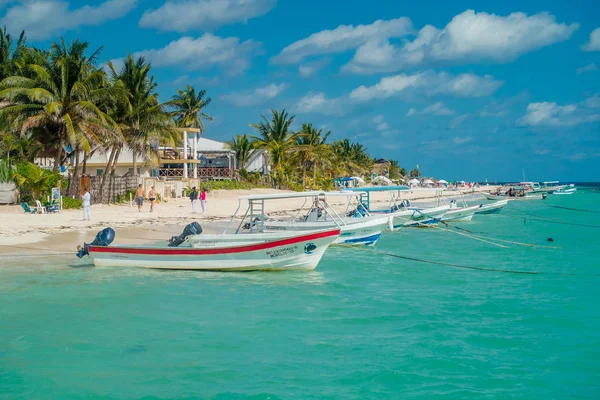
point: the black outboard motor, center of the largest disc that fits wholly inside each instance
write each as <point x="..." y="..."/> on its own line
<point x="104" y="238"/>
<point x="192" y="229"/>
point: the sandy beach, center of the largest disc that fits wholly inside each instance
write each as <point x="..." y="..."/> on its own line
<point x="62" y="231"/>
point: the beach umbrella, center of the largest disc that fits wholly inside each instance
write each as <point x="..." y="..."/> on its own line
<point x="442" y="181"/>
<point x="428" y="182"/>
<point x="413" y="181"/>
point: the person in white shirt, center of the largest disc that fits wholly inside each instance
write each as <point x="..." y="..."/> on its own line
<point x="86" y="198"/>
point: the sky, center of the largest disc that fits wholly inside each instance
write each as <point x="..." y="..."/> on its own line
<point x="469" y="90"/>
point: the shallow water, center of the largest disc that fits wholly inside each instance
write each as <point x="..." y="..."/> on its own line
<point x="363" y="325"/>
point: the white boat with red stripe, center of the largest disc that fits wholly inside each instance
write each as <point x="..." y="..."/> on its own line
<point x="227" y="252"/>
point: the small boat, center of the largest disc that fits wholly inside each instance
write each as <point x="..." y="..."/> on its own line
<point x="492" y="208"/>
<point x="356" y="225"/>
<point x="456" y="213"/>
<point x="566" y="190"/>
<point x="403" y="213"/>
<point x="554" y="187"/>
<point x="399" y="210"/>
<point x="245" y="250"/>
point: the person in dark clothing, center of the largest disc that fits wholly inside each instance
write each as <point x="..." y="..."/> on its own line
<point x="194" y="199"/>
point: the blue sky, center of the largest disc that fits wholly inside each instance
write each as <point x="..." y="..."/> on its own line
<point x="465" y="89"/>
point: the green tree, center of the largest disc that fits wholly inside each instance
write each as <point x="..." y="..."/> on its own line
<point x="143" y="120"/>
<point x="10" y="53"/>
<point x="396" y="171"/>
<point x="56" y="99"/>
<point x="243" y="147"/>
<point x="311" y="149"/>
<point x="276" y="137"/>
<point x="33" y="179"/>
<point x="187" y="108"/>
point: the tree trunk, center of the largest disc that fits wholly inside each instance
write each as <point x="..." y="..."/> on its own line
<point x="303" y="175"/>
<point x="57" y="159"/>
<point x="75" y="174"/>
<point x="314" y="172"/>
<point x="134" y="163"/>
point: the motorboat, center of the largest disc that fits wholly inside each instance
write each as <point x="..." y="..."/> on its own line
<point x="492" y="208"/>
<point x="356" y="224"/>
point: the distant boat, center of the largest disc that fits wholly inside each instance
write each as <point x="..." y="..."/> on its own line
<point x="520" y="191"/>
<point x="554" y="187"/>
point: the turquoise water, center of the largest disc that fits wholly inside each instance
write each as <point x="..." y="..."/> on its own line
<point x="362" y="325"/>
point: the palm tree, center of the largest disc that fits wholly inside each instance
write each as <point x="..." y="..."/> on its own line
<point x="56" y="97"/>
<point x="311" y="148"/>
<point x="32" y="178"/>
<point x="243" y="147"/>
<point x="351" y="158"/>
<point x="276" y="137"/>
<point x="187" y="108"/>
<point x="10" y="53"/>
<point x="143" y="120"/>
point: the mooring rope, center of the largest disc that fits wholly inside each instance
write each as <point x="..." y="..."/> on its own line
<point x="575" y="209"/>
<point x="508" y="271"/>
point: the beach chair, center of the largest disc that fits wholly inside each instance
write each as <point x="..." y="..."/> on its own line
<point x="29" y="210"/>
<point x="52" y="207"/>
<point x="40" y="208"/>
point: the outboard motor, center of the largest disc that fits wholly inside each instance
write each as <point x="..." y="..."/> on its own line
<point x="104" y="238"/>
<point x="192" y="229"/>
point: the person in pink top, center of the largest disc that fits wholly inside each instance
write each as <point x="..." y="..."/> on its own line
<point x="203" y="200"/>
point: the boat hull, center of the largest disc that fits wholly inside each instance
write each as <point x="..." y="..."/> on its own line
<point x="400" y="218"/>
<point x="362" y="232"/>
<point x="427" y="217"/>
<point x="300" y="252"/>
<point x="565" y="191"/>
<point x="492" y="208"/>
<point x="533" y="196"/>
<point x="462" y="214"/>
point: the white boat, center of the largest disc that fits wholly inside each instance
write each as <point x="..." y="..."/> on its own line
<point x="241" y="251"/>
<point x="521" y="191"/>
<point x="554" y="187"/>
<point x="532" y="196"/>
<point x="567" y="190"/>
<point x="492" y="208"/>
<point x="460" y="214"/>
<point x="456" y="212"/>
<point x="403" y="213"/>
<point x="356" y="225"/>
<point x="395" y="208"/>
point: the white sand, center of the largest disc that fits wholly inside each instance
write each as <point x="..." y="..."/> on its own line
<point x="18" y="228"/>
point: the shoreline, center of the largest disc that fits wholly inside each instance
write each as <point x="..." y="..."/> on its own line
<point x="20" y="230"/>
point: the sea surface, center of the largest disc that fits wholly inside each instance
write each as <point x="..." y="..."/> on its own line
<point x="363" y="325"/>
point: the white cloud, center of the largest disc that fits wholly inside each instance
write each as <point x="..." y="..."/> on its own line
<point x="43" y="19"/>
<point x="594" y="43"/>
<point x="309" y="69"/>
<point x="342" y="38"/>
<point x="431" y="83"/>
<point x="255" y="97"/>
<point x="588" y="68"/>
<point x="461" y="140"/>
<point x="187" y="15"/>
<point x="380" y="124"/>
<point x="437" y="109"/>
<point x="428" y="84"/>
<point x="434" y="109"/>
<point x="546" y="114"/>
<point x="204" y="52"/>
<point x="457" y="121"/>
<point x="469" y="37"/>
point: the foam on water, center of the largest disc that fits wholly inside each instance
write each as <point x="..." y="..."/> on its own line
<point x="362" y="325"/>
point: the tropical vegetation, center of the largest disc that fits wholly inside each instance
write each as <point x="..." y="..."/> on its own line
<point x="59" y="103"/>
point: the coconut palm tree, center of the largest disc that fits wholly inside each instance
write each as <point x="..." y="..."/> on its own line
<point x="276" y="137"/>
<point x="143" y="120"/>
<point x="187" y="108"/>
<point x="311" y="148"/>
<point x="10" y="52"/>
<point x="56" y="98"/>
<point x="351" y="158"/>
<point x="243" y="147"/>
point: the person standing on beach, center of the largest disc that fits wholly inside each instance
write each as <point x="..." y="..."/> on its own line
<point x="203" y="200"/>
<point x="194" y="199"/>
<point x="139" y="197"/>
<point x="87" y="200"/>
<point x="152" y="197"/>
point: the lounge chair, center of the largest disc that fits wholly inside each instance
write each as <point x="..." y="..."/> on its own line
<point x="29" y="210"/>
<point x="52" y="207"/>
<point x="41" y="209"/>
